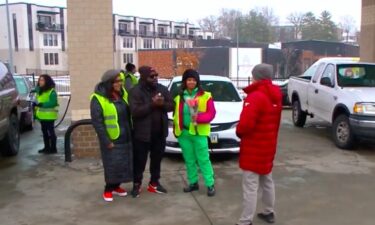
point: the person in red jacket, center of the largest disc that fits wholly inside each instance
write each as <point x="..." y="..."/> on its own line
<point x="258" y="130"/>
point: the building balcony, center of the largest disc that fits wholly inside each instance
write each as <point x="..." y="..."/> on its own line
<point x="181" y="36"/>
<point x="122" y="32"/>
<point x="164" y="35"/>
<point x="146" y="33"/>
<point x="47" y="27"/>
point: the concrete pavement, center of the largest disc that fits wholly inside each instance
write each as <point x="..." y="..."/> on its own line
<point x="316" y="183"/>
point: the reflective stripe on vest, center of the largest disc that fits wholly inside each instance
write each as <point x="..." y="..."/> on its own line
<point x="110" y="115"/>
<point x="45" y="113"/>
<point x="203" y="129"/>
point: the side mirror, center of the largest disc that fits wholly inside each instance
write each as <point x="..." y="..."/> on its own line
<point x="326" y="81"/>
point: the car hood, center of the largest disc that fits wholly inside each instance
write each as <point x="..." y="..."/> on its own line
<point x="364" y="94"/>
<point x="226" y="112"/>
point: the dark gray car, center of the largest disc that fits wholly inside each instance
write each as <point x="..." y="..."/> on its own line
<point x="9" y="119"/>
<point x="24" y="88"/>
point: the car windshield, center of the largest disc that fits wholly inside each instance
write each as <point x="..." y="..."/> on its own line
<point x="21" y="86"/>
<point x="221" y="91"/>
<point x="356" y="75"/>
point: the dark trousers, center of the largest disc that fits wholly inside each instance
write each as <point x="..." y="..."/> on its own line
<point x="141" y="149"/>
<point x="49" y="136"/>
<point x="110" y="187"/>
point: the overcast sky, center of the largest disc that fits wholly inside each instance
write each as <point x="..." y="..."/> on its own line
<point x="193" y="10"/>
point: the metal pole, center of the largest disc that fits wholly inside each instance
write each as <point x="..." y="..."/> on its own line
<point x="10" y="48"/>
<point x="238" y="66"/>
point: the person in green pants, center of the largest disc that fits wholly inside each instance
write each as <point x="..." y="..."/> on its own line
<point x="194" y="110"/>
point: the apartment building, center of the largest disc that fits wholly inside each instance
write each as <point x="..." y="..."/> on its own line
<point x="39" y="37"/>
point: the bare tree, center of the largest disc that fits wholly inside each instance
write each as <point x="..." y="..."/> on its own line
<point x="209" y="23"/>
<point x="270" y="16"/>
<point x="297" y="19"/>
<point x="347" y="24"/>
<point x="228" y="22"/>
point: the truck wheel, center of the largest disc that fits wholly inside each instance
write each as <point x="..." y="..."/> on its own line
<point x="299" y="117"/>
<point x="11" y="142"/>
<point x="342" y="133"/>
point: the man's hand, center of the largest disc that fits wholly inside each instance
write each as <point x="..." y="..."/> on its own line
<point x="158" y="100"/>
<point x="110" y="146"/>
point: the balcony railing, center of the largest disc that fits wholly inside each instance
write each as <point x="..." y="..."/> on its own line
<point x="122" y="32"/>
<point x="181" y="36"/>
<point x="164" y="35"/>
<point x="143" y="33"/>
<point x="40" y="26"/>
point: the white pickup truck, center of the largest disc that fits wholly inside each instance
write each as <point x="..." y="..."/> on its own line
<point x="340" y="91"/>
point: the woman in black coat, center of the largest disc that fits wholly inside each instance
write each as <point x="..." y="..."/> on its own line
<point x="111" y="119"/>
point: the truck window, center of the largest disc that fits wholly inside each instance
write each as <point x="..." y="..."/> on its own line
<point x="356" y="75"/>
<point x="330" y="73"/>
<point x="317" y="72"/>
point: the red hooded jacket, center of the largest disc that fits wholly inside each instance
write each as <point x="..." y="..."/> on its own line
<point x="259" y="126"/>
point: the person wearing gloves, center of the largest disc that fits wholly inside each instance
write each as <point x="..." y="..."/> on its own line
<point x="111" y="119"/>
<point x="194" y="110"/>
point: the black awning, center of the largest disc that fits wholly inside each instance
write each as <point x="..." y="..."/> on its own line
<point x="47" y="12"/>
<point x="126" y="20"/>
<point x="181" y="26"/>
<point x="163" y="25"/>
<point x="194" y="28"/>
<point x="143" y="22"/>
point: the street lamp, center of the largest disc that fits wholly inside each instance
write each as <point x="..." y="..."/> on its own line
<point x="10" y="48"/>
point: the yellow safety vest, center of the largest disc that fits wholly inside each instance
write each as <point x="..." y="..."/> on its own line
<point x="110" y="114"/>
<point x="203" y="129"/>
<point x="45" y="113"/>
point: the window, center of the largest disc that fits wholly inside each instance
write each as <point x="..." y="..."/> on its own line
<point x="329" y="73"/>
<point x="165" y="44"/>
<point x="161" y="30"/>
<point x="178" y="31"/>
<point x="128" y="43"/>
<point x="142" y="29"/>
<point x="209" y="37"/>
<point x="50" y="40"/>
<point x="314" y="71"/>
<point x="221" y="91"/>
<point x="128" y="58"/>
<point x="51" y="59"/>
<point x="181" y="44"/>
<point x="356" y="75"/>
<point x="123" y="26"/>
<point x="147" y="43"/>
<point x="45" y="19"/>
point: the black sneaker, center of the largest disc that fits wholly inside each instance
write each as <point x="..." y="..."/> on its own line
<point x="43" y="150"/>
<point x="191" y="187"/>
<point x="136" y="190"/>
<point x="51" y="151"/>
<point x="269" y="218"/>
<point x="156" y="188"/>
<point x="211" y="191"/>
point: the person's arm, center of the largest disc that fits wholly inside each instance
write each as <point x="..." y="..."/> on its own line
<point x="249" y="115"/>
<point x="97" y="120"/>
<point x="138" y="108"/>
<point x="209" y="115"/>
<point x="52" y="101"/>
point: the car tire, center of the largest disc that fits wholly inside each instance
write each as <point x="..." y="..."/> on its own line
<point x="343" y="133"/>
<point x="298" y="116"/>
<point x="11" y="142"/>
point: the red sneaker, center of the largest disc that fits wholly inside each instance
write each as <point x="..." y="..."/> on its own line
<point x="108" y="196"/>
<point x="156" y="188"/>
<point x="120" y="192"/>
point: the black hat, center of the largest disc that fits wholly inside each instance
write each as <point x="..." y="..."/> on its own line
<point x="190" y="73"/>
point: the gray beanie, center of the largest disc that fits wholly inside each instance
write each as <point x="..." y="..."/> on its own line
<point x="110" y="75"/>
<point x="262" y="71"/>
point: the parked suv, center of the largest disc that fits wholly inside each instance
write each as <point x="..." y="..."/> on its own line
<point x="9" y="119"/>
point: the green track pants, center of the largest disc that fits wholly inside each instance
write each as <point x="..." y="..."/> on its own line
<point x="195" y="152"/>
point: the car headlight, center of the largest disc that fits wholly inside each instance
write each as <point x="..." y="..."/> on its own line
<point x="364" y="108"/>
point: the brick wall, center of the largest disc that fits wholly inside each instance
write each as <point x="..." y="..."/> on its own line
<point x="162" y="61"/>
<point x="85" y="142"/>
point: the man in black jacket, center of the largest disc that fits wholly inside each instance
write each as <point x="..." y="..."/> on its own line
<point x="149" y="104"/>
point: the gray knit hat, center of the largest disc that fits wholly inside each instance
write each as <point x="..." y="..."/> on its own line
<point x="262" y="71"/>
<point x="110" y="75"/>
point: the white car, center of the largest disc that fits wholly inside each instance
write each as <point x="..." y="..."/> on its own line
<point x="228" y="105"/>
